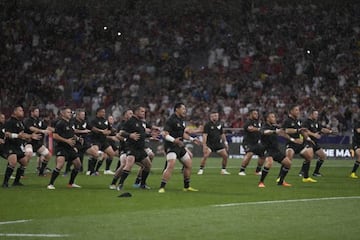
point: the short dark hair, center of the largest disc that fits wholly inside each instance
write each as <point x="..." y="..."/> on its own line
<point x="178" y="105"/>
<point x="292" y="106"/>
<point x="124" y="112"/>
<point x="99" y="109"/>
<point x="214" y="110"/>
<point x="266" y="114"/>
<point x="33" y="108"/>
<point x="137" y="107"/>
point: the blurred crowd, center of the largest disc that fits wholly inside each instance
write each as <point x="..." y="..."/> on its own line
<point x="217" y="54"/>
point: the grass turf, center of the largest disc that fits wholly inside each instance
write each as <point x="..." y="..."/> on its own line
<point x="327" y="209"/>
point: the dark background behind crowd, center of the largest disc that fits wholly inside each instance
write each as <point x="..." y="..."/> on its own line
<point x="225" y="54"/>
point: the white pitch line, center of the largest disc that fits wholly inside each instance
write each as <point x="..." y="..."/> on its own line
<point x="13" y="222"/>
<point x="285" y="201"/>
<point x="33" y="235"/>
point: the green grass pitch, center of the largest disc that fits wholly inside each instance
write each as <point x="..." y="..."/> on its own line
<point x="226" y="207"/>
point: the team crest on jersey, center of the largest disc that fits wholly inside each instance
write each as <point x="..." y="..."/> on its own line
<point x="67" y="128"/>
<point x="219" y="126"/>
<point x="317" y="125"/>
<point x="84" y="125"/>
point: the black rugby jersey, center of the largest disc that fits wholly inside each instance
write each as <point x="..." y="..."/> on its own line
<point x="102" y="124"/>
<point x="37" y="123"/>
<point x="14" y="125"/>
<point x="81" y="125"/>
<point x="292" y="123"/>
<point x="356" y="137"/>
<point x="214" y="131"/>
<point x="135" y="125"/>
<point x="270" y="141"/>
<point x="64" y="129"/>
<point x="313" y="126"/>
<point x="175" y="126"/>
<point x="251" y="138"/>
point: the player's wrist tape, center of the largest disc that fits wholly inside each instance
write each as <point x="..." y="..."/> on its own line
<point x="169" y="138"/>
<point x="14" y="135"/>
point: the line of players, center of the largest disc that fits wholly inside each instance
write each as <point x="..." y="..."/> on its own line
<point x="302" y="138"/>
<point x="74" y="137"/>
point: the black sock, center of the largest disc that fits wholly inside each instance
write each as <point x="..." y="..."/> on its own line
<point x="356" y="166"/>
<point x="108" y="163"/>
<point x="242" y="169"/>
<point x="74" y="173"/>
<point x="258" y="168"/>
<point x="8" y="172"/>
<point x="163" y="183"/>
<point x="68" y="166"/>
<point x="144" y="176"/>
<point x="43" y="167"/>
<point x="138" y="179"/>
<point x="98" y="165"/>
<point x="19" y="172"/>
<point x="115" y="179"/>
<point x="283" y="172"/>
<point x="202" y="166"/>
<point x="118" y="164"/>
<point x="54" y="175"/>
<point x="81" y="161"/>
<point x="264" y="173"/>
<point x="91" y="164"/>
<point x="186" y="182"/>
<point x="305" y="168"/>
<point x="281" y="167"/>
<point x="318" y="165"/>
<point x="123" y="177"/>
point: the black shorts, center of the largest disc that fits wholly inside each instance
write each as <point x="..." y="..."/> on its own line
<point x="179" y="151"/>
<point x="12" y="149"/>
<point x="215" y="146"/>
<point x="257" y="149"/>
<point x="36" y="145"/>
<point x="69" y="153"/>
<point x="114" y="146"/>
<point x="298" y="147"/>
<point x="2" y="153"/>
<point x="276" y="154"/>
<point x="139" y="154"/>
<point x="314" y="146"/>
<point x="82" y="148"/>
<point x="356" y="146"/>
<point x="102" y="145"/>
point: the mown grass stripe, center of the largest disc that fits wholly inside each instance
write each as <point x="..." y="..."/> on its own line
<point x="285" y="201"/>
